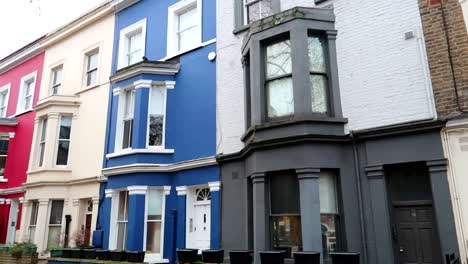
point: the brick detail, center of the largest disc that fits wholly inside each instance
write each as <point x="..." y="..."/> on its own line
<point x="438" y="53"/>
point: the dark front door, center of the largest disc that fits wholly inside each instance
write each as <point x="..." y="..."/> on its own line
<point x="87" y="231"/>
<point x="417" y="241"/>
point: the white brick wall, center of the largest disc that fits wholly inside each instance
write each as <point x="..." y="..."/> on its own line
<point x="382" y="75"/>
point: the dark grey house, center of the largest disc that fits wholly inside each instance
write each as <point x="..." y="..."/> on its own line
<point x="303" y="178"/>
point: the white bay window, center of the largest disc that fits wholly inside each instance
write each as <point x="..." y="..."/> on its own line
<point x="156" y="114"/>
<point x="126" y="118"/>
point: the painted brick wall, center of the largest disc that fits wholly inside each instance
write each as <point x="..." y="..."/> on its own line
<point x="438" y="54"/>
<point x="382" y="75"/>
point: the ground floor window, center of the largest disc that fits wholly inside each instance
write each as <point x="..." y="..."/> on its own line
<point x="33" y="220"/>
<point x="55" y="223"/>
<point x="122" y="220"/>
<point x="154" y="221"/>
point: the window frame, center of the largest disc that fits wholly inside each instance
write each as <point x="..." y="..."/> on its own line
<point x="49" y="214"/>
<point x="30" y="78"/>
<point x="34" y="204"/>
<point x="42" y="141"/>
<point x="5" y="89"/>
<point x="114" y="227"/>
<point x="155" y="256"/>
<point x="58" y="139"/>
<point x="121" y="118"/>
<point x="241" y="15"/>
<point x="123" y="61"/>
<point x="163" y="141"/>
<point x="6" y="138"/>
<point x="325" y="74"/>
<point x="174" y="12"/>
<point x="55" y="88"/>
<point x="92" y="52"/>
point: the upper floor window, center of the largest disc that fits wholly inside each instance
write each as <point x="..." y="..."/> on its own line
<point x="4" y="96"/>
<point x="57" y="77"/>
<point x="132" y="44"/>
<point x="184" y="26"/>
<point x="127" y="118"/>
<point x="4" y="141"/>
<point x="318" y="74"/>
<point x="92" y="67"/>
<point x="157" y="110"/>
<point x="42" y="141"/>
<point x="63" y="146"/>
<point x="248" y="11"/>
<point x="26" y="94"/>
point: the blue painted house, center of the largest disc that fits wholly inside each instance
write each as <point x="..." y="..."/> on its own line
<point x="161" y="182"/>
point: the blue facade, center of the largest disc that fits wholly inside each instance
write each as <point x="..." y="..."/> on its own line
<point x="183" y="165"/>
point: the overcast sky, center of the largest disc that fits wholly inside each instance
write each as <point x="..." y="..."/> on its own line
<point x="22" y="21"/>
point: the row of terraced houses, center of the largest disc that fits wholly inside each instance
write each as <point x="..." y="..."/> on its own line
<point x="325" y="125"/>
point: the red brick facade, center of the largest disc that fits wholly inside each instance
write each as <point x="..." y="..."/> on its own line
<point x="446" y="37"/>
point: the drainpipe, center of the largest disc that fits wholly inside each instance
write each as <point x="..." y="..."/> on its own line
<point x="357" y="173"/>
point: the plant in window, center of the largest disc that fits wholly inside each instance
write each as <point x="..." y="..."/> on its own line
<point x="156" y="117"/>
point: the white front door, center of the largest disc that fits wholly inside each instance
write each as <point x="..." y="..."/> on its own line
<point x="202" y="225"/>
<point x="12" y="220"/>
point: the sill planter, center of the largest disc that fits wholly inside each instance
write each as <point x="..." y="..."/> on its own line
<point x="76" y="253"/>
<point x="89" y="254"/>
<point x="241" y="256"/>
<point x="5" y="248"/>
<point x="135" y="256"/>
<point x="306" y="257"/>
<point x="345" y="258"/>
<point x="118" y="255"/>
<point x="213" y="256"/>
<point x="66" y="253"/>
<point x="272" y="257"/>
<point x="187" y="255"/>
<point x="29" y="250"/>
<point x="56" y="253"/>
<point x="102" y="254"/>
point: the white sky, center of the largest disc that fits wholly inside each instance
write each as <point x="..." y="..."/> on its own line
<point x="23" y="21"/>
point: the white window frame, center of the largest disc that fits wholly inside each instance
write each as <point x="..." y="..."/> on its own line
<point x="42" y="143"/>
<point x="120" y="120"/>
<point x="30" y="78"/>
<point x="114" y="228"/>
<point x="172" y="26"/>
<point x="58" y="140"/>
<point x="3" y="89"/>
<point x="7" y="138"/>
<point x="163" y="143"/>
<point x="88" y="53"/>
<point x="33" y="202"/>
<point x="124" y="34"/>
<point x="49" y="212"/>
<point x="155" y="257"/>
<point x="53" y="72"/>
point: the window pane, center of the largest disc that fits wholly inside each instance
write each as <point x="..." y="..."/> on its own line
<point x="188" y="38"/>
<point x="43" y="129"/>
<point x="56" y="212"/>
<point x="134" y="42"/>
<point x="188" y="19"/>
<point x="153" y="237"/>
<point x="259" y="10"/>
<point x="278" y="60"/>
<point x="155" y="198"/>
<point x="53" y="239"/>
<point x="41" y="153"/>
<point x="4" y="146"/>
<point x="317" y="60"/>
<point x="123" y="206"/>
<point x="91" y="77"/>
<point x="129" y="104"/>
<point x="156" y="117"/>
<point x="2" y="165"/>
<point x="34" y="208"/>
<point x="280" y="97"/>
<point x="32" y="231"/>
<point x="121" y="236"/>
<point x="57" y="74"/>
<point x="329" y="235"/>
<point x="92" y="61"/>
<point x="62" y="152"/>
<point x="327" y="190"/>
<point x="318" y="88"/>
<point x="127" y="134"/>
<point x="284" y="193"/>
<point x="287" y="232"/>
<point x="65" y="127"/>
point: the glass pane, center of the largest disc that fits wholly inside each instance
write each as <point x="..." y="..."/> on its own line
<point x="284" y="193"/>
<point x="153" y="237"/>
<point x="34" y="208"/>
<point x="188" y="19"/>
<point x="62" y="152"/>
<point x="135" y="57"/>
<point x="280" y="97"/>
<point x="65" y="127"/>
<point x="287" y="232"/>
<point x="127" y="134"/>
<point x="43" y="129"/>
<point x="32" y="231"/>
<point x="319" y="89"/>
<point x="155" y="198"/>
<point x="156" y="130"/>
<point x="41" y="153"/>
<point x="129" y="104"/>
<point x="188" y="38"/>
<point x="3" y="97"/>
<point x="2" y="111"/>
<point x="53" y="239"/>
<point x="134" y="42"/>
<point x="317" y="60"/>
<point x="91" y="77"/>
<point x="56" y="212"/>
<point x="4" y="146"/>
<point x="92" y="61"/>
<point x="2" y="165"/>
<point x="329" y="235"/>
<point x="27" y="103"/>
<point x="121" y="236"/>
<point x="327" y="190"/>
<point x="57" y="76"/>
<point x="278" y="60"/>
<point x="123" y="206"/>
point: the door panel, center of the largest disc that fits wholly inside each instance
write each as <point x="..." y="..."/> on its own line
<point x="202" y="226"/>
<point x="417" y="242"/>
<point x="87" y="231"/>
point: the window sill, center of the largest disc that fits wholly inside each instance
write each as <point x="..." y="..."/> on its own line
<point x="87" y="88"/>
<point x="22" y="112"/>
<point x="155" y="260"/>
<point x="2" y="179"/>
<point x="197" y="46"/>
<point x="241" y="29"/>
<point x="139" y="151"/>
<point x="42" y="170"/>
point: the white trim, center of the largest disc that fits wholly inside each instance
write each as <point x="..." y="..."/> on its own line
<point x="142" y="84"/>
<point x="214" y="186"/>
<point x="11" y="135"/>
<point x="6" y="88"/>
<point x="140" y="25"/>
<point x="137" y="190"/>
<point x="24" y="79"/>
<point x="171" y="167"/>
<point x="21" y="57"/>
<point x="109" y="193"/>
<point x="142" y="69"/>
<point x="173" y="12"/>
<point x="204" y="44"/>
<point x="163" y="141"/>
<point x="129" y="151"/>
<point x="12" y="190"/>
<point x="167" y="190"/>
<point x="181" y="190"/>
<point x="155" y="257"/>
<point x="95" y="49"/>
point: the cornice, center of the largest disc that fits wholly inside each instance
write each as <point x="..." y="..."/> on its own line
<point x="61" y="183"/>
<point x="8" y="121"/>
<point x="146" y="67"/>
<point x="58" y="100"/>
<point x="119" y="5"/>
<point x="21" y="55"/>
<point x="12" y="190"/>
<point x="173" y="167"/>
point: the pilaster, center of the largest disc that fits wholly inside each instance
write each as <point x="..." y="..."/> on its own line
<point x="215" y="188"/>
<point x="260" y="214"/>
<point x="136" y="217"/>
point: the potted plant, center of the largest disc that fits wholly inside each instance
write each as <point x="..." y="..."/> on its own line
<point x="213" y="256"/>
<point x="56" y="252"/>
<point x="187" y="255"/>
<point x="66" y="253"/>
<point x="5" y="248"/>
<point x="135" y="256"/>
<point x="89" y="253"/>
<point x="241" y="256"/>
<point x="76" y="253"/>
<point x="118" y="255"/>
<point x="102" y="254"/>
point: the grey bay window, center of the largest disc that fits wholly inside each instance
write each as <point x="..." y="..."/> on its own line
<point x="64" y="140"/>
<point x="291" y="69"/>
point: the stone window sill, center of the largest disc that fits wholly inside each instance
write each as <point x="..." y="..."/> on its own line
<point x="139" y="151"/>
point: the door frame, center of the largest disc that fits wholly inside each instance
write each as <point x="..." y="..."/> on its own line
<point x="11" y="230"/>
<point x="191" y="202"/>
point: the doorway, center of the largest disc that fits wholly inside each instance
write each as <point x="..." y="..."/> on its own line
<point x="12" y="220"/>
<point x="199" y="218"/>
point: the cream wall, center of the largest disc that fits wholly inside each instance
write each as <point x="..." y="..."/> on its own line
<point x="464" y="5"/>
<point x="77" y="182"/>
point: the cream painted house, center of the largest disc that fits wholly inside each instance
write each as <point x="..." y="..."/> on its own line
<point x="62" y="189"/>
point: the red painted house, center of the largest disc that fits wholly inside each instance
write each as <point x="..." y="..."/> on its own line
<point x="20" y="78"/>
